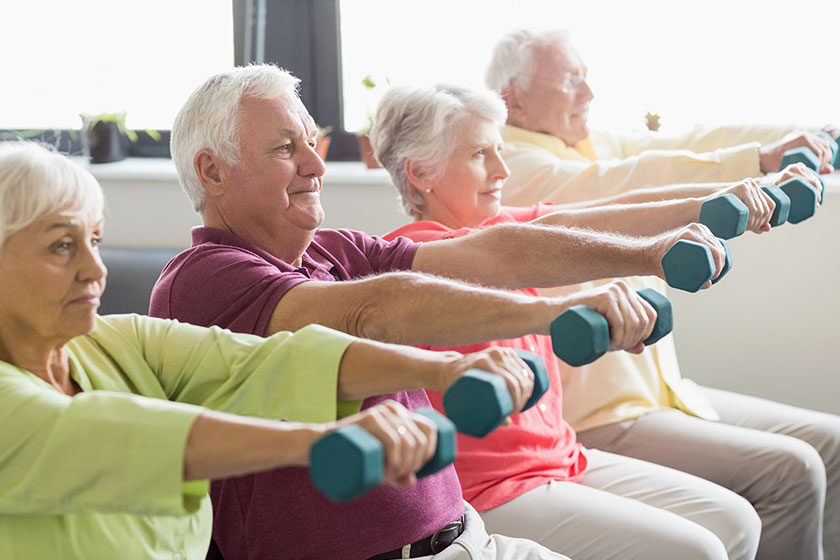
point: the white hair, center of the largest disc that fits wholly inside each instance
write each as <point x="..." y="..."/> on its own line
<point x="36" y="181"/>
<point x="419" y="124"/>
<point x="210" y="119"/>
<point x="512" y="62"/>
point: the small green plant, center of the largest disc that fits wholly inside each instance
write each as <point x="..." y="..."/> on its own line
<point x="374" y="92"/>
<point x="90" y="120"/>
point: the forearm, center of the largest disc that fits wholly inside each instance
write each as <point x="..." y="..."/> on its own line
<point x="516" y="256"/>
<point x="425" y="310"/>
<point x="646" y="218"/>
<point x="222" y="445"/>
<point x="654" y="194"/>
<point x="376" y="368"/>
<point x="413" y="308"/>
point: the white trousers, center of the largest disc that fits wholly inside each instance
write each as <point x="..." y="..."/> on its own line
<point x="630" y="509"/>
<point x="783" y="459"/>
<point x="475" y="544"/>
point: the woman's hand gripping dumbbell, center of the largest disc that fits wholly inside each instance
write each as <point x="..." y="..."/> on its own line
<point x="691" y="257"/>
<point x="479" y="401"/>
<point x="803" y="188"/>
<point x="385" y="443"/>
<point x="612" y="317"/>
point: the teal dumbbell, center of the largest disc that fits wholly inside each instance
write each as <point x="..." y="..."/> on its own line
<point x="726" y="216"/>
<point x="349" y="462"/>
<point x="479" y="401"/>
<point x="581" y="335"/>
<point x="803" y="200"/>
<point x="801" y="155"/>
<point x="782" y="202"/>
<point x="727" y="262"/>
<point x="835" y="147"/>
<point x="688" y="265"/>
<point x="541" y="383"/>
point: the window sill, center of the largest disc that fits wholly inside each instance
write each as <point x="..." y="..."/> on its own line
<point x="163" y="170"/>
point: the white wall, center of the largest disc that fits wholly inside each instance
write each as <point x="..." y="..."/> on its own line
<point x="769" y="328"/>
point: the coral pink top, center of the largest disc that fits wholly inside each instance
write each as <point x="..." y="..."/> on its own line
<point x="539" y="446"/>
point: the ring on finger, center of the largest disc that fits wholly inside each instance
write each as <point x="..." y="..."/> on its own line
<point x="402" y="430"/>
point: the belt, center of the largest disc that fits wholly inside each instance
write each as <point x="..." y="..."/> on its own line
<point x="432" y="544"/>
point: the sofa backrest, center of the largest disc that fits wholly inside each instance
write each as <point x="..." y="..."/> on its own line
<point x="132" y="274"/>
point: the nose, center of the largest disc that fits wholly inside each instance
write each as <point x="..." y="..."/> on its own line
<point x="92" y="268"/>
<point x="500" y="168"/>
<point x="585" y="91"/>
<point x="311" y="164"/>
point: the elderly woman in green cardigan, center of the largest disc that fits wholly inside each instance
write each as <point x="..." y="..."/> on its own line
<point x="110" y="426"/>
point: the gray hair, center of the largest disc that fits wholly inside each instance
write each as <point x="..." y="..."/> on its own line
<point x="512" y="62"/>
<point x="419" y="124"/>
<point x="210" y="119"/>
<point x="35" y="181"/>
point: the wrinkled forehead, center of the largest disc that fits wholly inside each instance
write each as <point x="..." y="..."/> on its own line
<point x="556" y="58"/>
<point x="286" y="111"/>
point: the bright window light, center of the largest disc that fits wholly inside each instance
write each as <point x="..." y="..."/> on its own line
<point x="710" y="62"/>
<point x="62" y="58"/>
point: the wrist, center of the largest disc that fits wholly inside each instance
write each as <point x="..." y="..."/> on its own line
<point x="296" y="443"/>
<point x="764" y="160"/>
<point x="442" y="370"/>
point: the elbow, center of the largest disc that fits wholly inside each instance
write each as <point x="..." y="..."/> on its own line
<point x="382" y="315"/>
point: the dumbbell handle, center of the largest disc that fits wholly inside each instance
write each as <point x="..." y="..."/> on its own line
<point x="349" y="462"/>
<point x="592" y="339"/>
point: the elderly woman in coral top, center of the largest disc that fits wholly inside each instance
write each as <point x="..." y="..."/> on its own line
<point x="532" y="478"/>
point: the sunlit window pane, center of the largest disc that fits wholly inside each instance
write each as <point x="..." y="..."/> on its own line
<point x="61" y="58"/>
<point x="710" y="62"/>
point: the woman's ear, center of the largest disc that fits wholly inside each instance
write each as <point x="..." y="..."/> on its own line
<point x="512" y="96"/>
<point x="210" y="172"/>
<point x="418" y="176"/>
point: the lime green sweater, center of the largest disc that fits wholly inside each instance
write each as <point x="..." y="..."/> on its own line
<point x="100" y="474"/>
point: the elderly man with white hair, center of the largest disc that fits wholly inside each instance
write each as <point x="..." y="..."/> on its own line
<point x="553" y="155"/>
<point x="781" y="458"/>
<point x="243" y="145"/>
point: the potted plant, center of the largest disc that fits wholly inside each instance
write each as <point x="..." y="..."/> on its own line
<point x="106" y="137"/>
<point x="322" y="141"/>
<point x="362" y="135"/>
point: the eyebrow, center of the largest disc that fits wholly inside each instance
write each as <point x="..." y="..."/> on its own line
<point x="294" y="133"/>
<point x="63" y="225"/>
<point x="70" y="225"/>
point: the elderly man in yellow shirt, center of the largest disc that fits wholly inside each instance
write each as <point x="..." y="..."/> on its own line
<point x="784" y="460"/>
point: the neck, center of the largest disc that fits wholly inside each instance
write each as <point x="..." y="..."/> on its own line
<point x="47" y="359"/>
<point x="287" y="248"/>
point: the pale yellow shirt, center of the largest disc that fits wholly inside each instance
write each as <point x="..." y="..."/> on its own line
<point x="544" y="169"/>
<point x="100" y="475"/>
<point x="621" y="386"/>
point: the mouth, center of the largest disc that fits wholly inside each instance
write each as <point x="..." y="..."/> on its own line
<point x="89" y="299"/>
<point x="495" y="192"/>
<point x="583" y="114"/>
<point x="313" y="188"/>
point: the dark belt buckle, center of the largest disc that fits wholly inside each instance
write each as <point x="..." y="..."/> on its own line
<point x="446" y="535"/>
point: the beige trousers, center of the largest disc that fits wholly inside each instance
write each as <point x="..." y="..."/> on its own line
<point x="784" y="460"/>
<point x="629" y="509"/>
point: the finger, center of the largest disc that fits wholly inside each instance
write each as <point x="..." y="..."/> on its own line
<point x="646" y="316"/>
<point x="637" y="349"/>
<point x="632" y="320"/>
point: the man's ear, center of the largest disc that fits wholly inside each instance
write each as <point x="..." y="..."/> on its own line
<point x="417" y="176"/>
<point x="210" y="171"/>
<point x="512" y="96"/>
